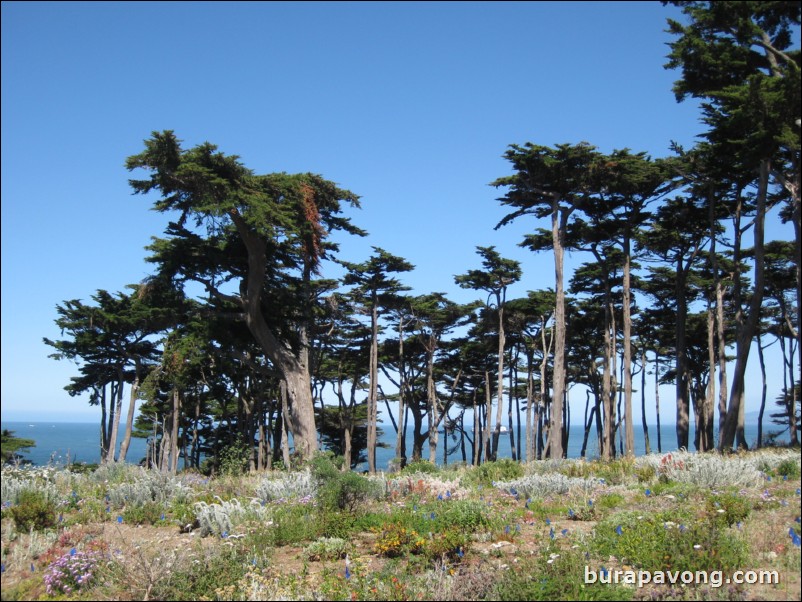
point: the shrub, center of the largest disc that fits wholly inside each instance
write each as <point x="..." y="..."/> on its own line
<point x="327" y="548"/>
<point x="554" y="576"/>
<point x="33" y="511"/>
<point x="347" y="491"/>
<point x="669" y="541"/>
<point x="789" y="468"/>
<point x="546" y="484"/>
<point x="234" y="458"/>
<point x="287" y="486"/>
<point x="419" y="466"/>
<point x="727" y="509"/>
<point x="397" y="540"/>
<point x="71" y="572"/>
<point x="491" y="472"/>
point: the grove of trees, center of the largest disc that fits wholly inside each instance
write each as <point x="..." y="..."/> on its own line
<point x="239" y="344"/>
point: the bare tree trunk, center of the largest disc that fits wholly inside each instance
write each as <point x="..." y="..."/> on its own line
<point x="734" y="424"/>
<point x="129" y="420"/>
<point x="559" y="220"/>
<point x="629" y="446"/>
<point x="372" y="392"/>
<point x="647" y="446"/>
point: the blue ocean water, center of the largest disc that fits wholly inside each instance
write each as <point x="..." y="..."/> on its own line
<point x="56" y="440"/>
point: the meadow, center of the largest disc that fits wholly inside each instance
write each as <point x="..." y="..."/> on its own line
<point x="500" y="531"/>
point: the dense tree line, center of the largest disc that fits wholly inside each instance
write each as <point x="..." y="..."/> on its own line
<point x="238" y="344"/>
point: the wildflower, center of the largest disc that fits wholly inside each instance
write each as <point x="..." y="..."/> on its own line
<point x="72" y="551"/>
<point x="696" y="546"/>
<point x="648" y="492"/>
<point x="619" y="530"/>
<point x="570" y="513"/>
<point x="794" y="537"/>
<point x="564" y="532"/>
<point x="682" y="528"/>
<point x="551" y="532"/>
<point x="548" y="521"/>
<point x="513" y="491"/>
<point x="590" y="503"/>
<point x="120" y="520"/>
<point x="448" y="494"/>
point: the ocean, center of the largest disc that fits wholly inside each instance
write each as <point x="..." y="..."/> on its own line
<point x="55" y="441"/>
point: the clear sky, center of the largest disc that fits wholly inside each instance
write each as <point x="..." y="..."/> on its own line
<point x="410" y="105"/>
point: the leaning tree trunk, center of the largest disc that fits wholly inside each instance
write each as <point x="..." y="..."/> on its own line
<point x="129" y="419"/>
<point x="734" y="425"/>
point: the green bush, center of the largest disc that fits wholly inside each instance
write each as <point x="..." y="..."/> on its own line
<point x="148" y="513"/>
<point x="554" y="576"/>
<point x="422" y="466"/>
<point x="727" y="509"/>
<point x="234" y="458"/>
<point x="346" y="491"/>
<point x="490" y="472"/>
<point x="669" y="541"/>
<point x="33" y="511"/>
<point x="788" y="468"/>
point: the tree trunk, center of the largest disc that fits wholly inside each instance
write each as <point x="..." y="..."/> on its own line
<point x="373" y="376"/>
<point x="629" y="446"/>
<point x="129" y="420"/>
<point x="683" y="402"/>
<point x="734" y="424"/>
<point x="559" y="219"/>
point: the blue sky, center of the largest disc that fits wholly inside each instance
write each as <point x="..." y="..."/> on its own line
<point x="410" y="105"/>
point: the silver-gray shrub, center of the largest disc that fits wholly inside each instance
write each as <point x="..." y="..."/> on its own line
<point x="286" y="486"/>
<point x="711" y="471"/>
<point x="15" y="480"/>
<point x="149" y="486"/>
<point x="543" y="485"/>
<point x="221" y="517"/>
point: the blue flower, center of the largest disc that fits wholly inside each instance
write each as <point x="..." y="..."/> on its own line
<point x="347" y="572"/>
<point x="507" y="529"/>
<point x="72" y="551"/>
<point x="551" y="532"/>
<point x="448" y="493"/>
<point x="794" y="537"/>
<point x="440" y="497"/>
<point x="513" y="491"/>
<point x="619" y="530"/>
<point x="564" y="532"/>
<point x="120" y="519"/>
<point x="590" y="503"/>
<point x="682" y="528"/>
<point x="648" y="492"/>
<point x="33" y="568"/>
<point x="604" y="572"/>
<point x="431" y="516"/>
<point x="460" y="553"/>
<point x="798" y="519"/>
<point x="224" y="534"/>
<point x="548" y="521"/>
<point x="3" y="567"/>
<point x="570" y="513"/>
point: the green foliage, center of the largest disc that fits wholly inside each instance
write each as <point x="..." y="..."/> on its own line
<point x="347" y="491"/>
<point x="554" y="576"/>
<point x="201" y="578"/>
<point x="148" y="513"/>
<point x="234" y="458"/>
<point x="669" y="541"/>
<point x="327" y="548"/>
<point x="421" y="466"/>
<point x="727" y="509"/>
<point x="789" y="468"/>
<point x="490" y="472"/>
<point x="11" y="445"/>
<point x="33" y="511"/>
